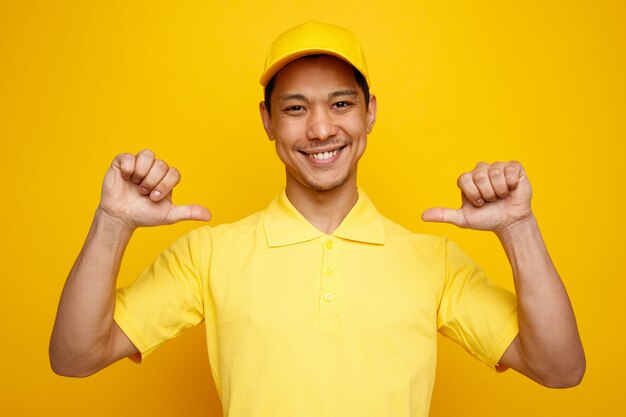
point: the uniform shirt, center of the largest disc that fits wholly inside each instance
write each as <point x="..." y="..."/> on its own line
<point x="301" y="323"/>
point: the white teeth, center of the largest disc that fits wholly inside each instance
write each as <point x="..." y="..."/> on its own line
<point x="324" y="155"/>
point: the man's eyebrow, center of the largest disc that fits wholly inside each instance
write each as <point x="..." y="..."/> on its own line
<point x="348" y="92"/>
<point x="292" y="96"/>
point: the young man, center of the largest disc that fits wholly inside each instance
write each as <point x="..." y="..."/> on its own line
<point x="318" y="305"/>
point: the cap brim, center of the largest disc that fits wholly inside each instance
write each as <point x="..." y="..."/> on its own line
<point x="283" y="61"/>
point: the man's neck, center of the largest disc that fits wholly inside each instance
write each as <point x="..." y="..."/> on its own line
<point x="325" y="210"/>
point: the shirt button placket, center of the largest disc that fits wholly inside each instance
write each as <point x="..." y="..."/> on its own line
<point x="329" y="286"/>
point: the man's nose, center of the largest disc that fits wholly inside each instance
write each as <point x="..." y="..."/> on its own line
<point x="321" y="125"/>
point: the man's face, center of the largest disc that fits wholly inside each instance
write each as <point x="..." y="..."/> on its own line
<point x="319" y="122"/>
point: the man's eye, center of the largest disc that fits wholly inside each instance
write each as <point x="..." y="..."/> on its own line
<point x="292" y="109"/>
<point x="342" y="104"/>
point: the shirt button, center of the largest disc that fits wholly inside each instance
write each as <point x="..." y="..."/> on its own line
<point x="329" y="270"/>
<point x="328" y="297"/>
<point x="329" y="244"/>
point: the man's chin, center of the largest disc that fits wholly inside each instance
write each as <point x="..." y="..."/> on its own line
<point x="325" y="186"/>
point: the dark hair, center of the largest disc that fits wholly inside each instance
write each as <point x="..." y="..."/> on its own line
<point x="360" y="80"/>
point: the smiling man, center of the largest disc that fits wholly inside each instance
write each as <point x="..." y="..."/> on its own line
<point x="318" y="305"/>
<point x="319" y="119"/>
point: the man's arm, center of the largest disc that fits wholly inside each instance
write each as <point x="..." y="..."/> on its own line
<point x="136" y="191"/>
<point x="548" y="348"/>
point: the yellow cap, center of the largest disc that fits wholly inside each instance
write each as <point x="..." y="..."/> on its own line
<point x="313" y="38"/>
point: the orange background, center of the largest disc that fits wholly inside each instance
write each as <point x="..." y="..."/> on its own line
<point x="457" y="82"/>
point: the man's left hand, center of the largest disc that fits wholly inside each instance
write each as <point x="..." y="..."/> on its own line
<point x="494" y="197"/>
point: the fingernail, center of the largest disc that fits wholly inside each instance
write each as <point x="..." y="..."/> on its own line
<point x="144" y="190"/>
<point x="480" y="202"/>
<point x="156" y="194"/>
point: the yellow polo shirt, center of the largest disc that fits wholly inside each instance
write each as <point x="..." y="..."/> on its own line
<point x="305" y="324"/>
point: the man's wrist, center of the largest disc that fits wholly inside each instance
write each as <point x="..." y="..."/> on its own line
<point x="114" y="226"/>
<point x="519" y="229"/>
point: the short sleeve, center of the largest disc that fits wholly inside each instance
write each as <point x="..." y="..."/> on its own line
<point x="475" y="313"/>
<point x="167" y="297"/>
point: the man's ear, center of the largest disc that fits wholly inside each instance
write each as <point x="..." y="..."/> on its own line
<point x="267" y="122"/>
<point x="371" y="114"/>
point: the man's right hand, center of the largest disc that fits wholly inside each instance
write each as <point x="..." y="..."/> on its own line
<point x="137" y="191"/>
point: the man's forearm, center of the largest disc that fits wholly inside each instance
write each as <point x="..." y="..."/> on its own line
<point x="549" y="340"/>
<point x="82" y="330"/>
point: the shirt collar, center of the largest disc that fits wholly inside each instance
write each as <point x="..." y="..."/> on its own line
<point x="285" y="225"/>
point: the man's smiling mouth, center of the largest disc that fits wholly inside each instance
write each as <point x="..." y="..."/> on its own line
<point x="323" y="156"/>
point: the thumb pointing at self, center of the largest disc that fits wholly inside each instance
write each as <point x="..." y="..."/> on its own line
<point x="188" y="212"/>
<point x="444" y="215"/>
